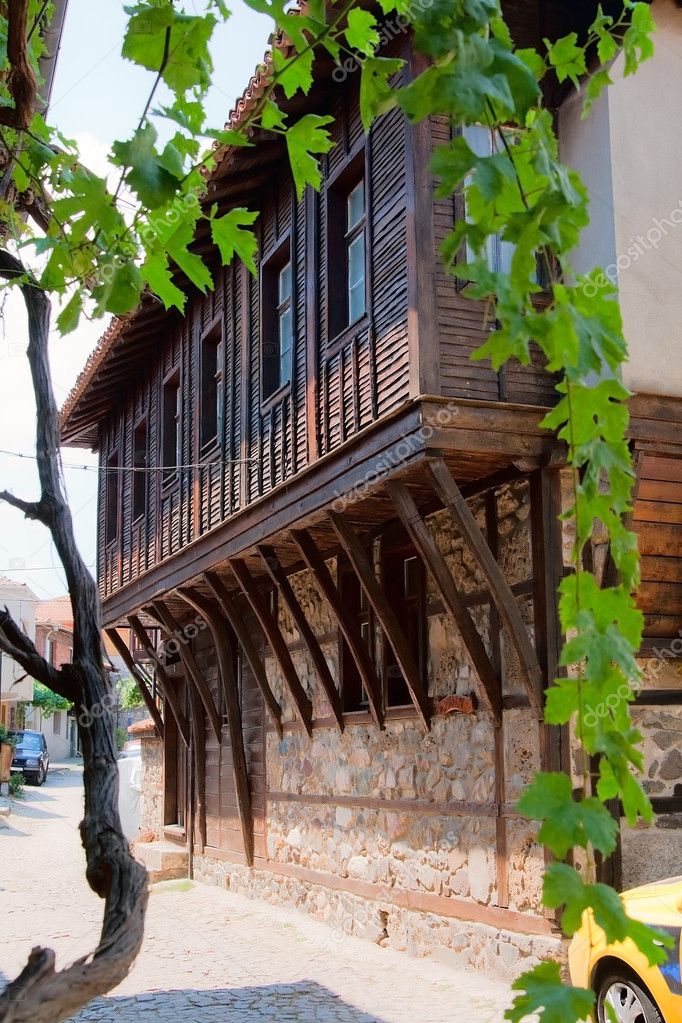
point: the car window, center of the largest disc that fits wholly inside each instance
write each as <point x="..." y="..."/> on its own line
<point x="28" y="740"/>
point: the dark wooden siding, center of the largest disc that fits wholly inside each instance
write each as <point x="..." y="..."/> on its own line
<point x="340" y="384"/>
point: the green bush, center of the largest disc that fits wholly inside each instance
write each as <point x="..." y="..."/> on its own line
<point x="16" y="785"/>
<point x="121" y="738"/>
<point x="5" y="738"/>
<point x="47" y="701"/>
<point x="128" y="693"/>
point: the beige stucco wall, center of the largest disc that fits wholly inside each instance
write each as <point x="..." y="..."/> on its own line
<point x="629" y="152"/>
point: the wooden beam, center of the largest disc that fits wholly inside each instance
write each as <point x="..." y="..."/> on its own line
<point x="164" y="615"/>
<point x="240" y="774"/>
<point x="220" y="592"/>
<point x="274" y="636"/>
<point x="501" y="845"/>
<point x="139" y="677"/>
<point x="422" y="538"/>
<point x="169" y="694"/>
<point x="349" y="627"/>
<point x="281" y="581"/>
<point x="452" y="498"/>
<point x="199" y="747"/>
<point x="385" y="614"/>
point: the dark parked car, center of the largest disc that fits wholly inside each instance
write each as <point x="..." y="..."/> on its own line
<point x="30" y="756"/>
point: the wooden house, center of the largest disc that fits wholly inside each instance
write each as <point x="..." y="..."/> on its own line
<point x="335" y="540"/>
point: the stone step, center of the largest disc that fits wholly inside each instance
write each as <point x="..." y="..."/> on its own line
<point x="164" y="861"/>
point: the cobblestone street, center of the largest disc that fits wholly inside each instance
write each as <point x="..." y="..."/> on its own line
<point x="211" y="956"/>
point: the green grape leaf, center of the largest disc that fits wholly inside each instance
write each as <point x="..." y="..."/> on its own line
<point x="545" y="993"/>
<point x="361" y="31"/>
<point x="148" y="175"/>
<point x="567" y="822"/>
<point x="232" y="236"/>
<point x="158" y="276"/>
<point x="376" y="94"/>
<point x="306" y="139"/>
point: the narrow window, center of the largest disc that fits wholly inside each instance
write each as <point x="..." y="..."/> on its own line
<point x="49" y="651"/>
<point x="211" y="387"/>
<point x="112" y="485"/>
<point x="172" y="439"/>
<point x="139" y="470"/>
<point x="355" y="251"/>
<point x="57" y="722"/>
<point x="278" y="321"/>
<point x="486" y="142"/>
<point x="347" y="248"/>
<point x="353" y="693"/>
<point x="404" y="582"/>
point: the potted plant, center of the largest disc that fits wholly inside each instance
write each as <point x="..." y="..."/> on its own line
<point x="7" y="744"/>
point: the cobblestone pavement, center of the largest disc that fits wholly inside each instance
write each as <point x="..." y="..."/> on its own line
<point x="209" y="956"/>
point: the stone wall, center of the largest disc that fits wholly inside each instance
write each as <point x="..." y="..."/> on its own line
<point x="459" y="943"/>
<point x="151" y="780"/>
<point x="328" y="810"/>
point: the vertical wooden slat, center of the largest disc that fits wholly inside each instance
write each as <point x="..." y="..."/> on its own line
<point x="501" y="855"/>
<point x="234" y="716"/>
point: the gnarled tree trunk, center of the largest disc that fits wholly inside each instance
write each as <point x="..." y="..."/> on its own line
<point x="40" y="994"/>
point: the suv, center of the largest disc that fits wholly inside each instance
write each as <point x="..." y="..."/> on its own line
<point x="30" y="756"/>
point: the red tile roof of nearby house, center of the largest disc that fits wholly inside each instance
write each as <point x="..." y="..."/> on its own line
<point x="57" y="611"/>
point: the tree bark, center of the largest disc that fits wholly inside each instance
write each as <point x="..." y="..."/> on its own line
<point x="39" y="994"/>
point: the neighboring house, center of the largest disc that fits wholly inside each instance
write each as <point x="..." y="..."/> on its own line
<point x="342" y="536"/>
<point x="54" y="640"/>
<point x="16" y="687"/>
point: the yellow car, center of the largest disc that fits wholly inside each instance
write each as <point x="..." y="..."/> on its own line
<point x="620" y="975"/>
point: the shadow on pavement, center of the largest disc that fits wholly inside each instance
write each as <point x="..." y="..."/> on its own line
<point x="301" y="1002"/>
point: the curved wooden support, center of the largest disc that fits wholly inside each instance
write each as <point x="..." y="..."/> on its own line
<point x="279" y="578"/>
<point x="453" y="601"/>
<point x="219" y="591"/>
<point x="349" y="627"/>
<point x="274" y="636"/>
<point x="140" y="678"/>
<point x="172" y="628"/>
<point x="240" y="775"/>
<point x="500" y="591"/>
<point x="385" y="614"/>
<point x="169" y="693"/>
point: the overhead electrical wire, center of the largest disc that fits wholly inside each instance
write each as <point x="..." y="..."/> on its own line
<point x="190" y="467"/>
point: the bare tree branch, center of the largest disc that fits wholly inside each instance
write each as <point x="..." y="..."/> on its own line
<point x="31" y="509"/>
<point x="16" y="644"/>
<point x="39" y="994"/>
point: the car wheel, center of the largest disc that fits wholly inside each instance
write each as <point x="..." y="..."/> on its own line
<point x="628" y="1000"/>
<point x="42" y="776"/>
<point x="33" y="779"/>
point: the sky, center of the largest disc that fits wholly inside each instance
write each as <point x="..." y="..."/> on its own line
<point x="97" y="97"/>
